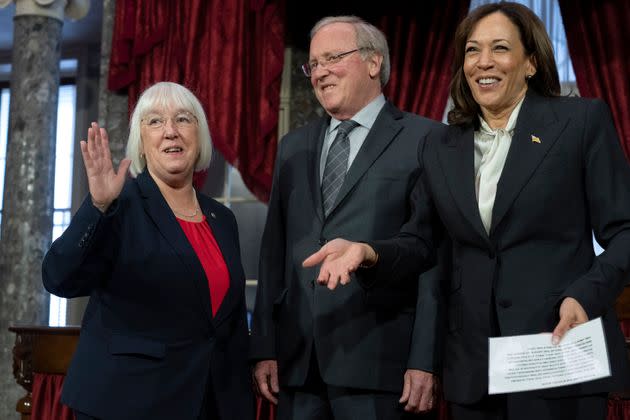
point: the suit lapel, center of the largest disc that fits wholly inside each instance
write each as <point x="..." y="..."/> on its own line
<point x="537" y="129"/>
<point x="164" y="219"/>
<point x="381" y="134"/>
<point x="227" y="247"/>
<point x="315" y="144"/>
<point x="457" y="161"/>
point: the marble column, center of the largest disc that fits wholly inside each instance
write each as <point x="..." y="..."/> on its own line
<point x="29" y="176"/>
<point x="112" y="106"/>
<point x="113" y="115"/>
<point x="303" y="103"/>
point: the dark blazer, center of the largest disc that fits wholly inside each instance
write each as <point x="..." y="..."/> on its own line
<point x="552" y="194"/>
<point x="148" y="342"/>
<point x="363" y="333"/>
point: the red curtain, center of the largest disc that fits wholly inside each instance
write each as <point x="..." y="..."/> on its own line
<point x="46" y="395"/>
<point x="598" y="36"/>
<point x="421" y="47"/>
<point x="229" y="53"/>
<point x="618" y="409"/>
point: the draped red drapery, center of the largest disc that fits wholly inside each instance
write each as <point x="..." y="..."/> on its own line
<point x="421" y="48"/>
<point x="598" y="36"/>
<point x="601" y="62"/>
<point x="46" y="398"/>
<point x="618" y="410"/>
<point x="230" y="54"/>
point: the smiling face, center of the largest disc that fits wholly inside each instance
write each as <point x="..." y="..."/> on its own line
<point x="171" y="150"/>
<point x="496" y="65"/>
<point x="347" y="86"/>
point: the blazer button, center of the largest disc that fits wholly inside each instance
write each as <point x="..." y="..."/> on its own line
<point x="505" y="303"/>
<point x="322" y="241"/>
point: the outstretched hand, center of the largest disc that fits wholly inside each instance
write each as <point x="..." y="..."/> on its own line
<point x="571" y="315"/>
<point x="105" y="184"/>
<point x="339" y="258"/>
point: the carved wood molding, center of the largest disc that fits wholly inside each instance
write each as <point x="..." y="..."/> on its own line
<point x="40" y="349"/>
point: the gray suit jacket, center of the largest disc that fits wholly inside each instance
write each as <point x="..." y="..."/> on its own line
<point x="367" y="333"/>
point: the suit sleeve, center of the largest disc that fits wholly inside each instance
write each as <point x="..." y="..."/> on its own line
<point x="80" y="260"/>
<point x="270" y="285"/>
<point x="412" y="251"/>
<point x="607" y="183"/>
<point x="429" y="324"/>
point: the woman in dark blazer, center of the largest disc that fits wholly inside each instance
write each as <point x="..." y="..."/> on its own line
<point x="518" y="186"/>
<point x="164" y="335"/>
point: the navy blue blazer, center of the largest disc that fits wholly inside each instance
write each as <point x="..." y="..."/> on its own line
<point x="148" y="342"/>
<point x="565" y="178"/>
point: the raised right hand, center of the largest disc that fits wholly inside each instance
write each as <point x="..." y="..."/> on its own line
<point x="104" y="183"/>
<point x="266" y="380"/>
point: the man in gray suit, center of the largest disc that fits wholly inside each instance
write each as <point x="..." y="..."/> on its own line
<point x="366" y="350"/>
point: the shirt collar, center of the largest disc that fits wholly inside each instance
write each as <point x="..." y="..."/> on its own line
<point x="366" y="116"/>
<point x="511" y="124"/>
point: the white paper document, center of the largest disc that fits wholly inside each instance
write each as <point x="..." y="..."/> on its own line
<point x="528" y="362"/>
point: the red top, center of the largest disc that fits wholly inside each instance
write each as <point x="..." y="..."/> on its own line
<point x="202" y="240"/>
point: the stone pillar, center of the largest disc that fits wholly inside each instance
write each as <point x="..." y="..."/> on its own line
<point x="112" y="106"/>
<point x="303" y="103"/>
<point x="113" y="115"/>
<point x="29" y="177"/>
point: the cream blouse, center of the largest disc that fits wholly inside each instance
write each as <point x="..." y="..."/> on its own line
<point x="491" y="149"/>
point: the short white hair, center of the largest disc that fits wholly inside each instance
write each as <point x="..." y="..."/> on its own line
<point x="370" y="40"/>
<point x="167" y="95"/>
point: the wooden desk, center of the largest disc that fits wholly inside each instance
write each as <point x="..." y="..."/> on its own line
<point x="40" y="349"/>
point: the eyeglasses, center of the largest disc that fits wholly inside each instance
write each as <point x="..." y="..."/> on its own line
<point x="182" y="121"/>
<point x="311" y="66"/>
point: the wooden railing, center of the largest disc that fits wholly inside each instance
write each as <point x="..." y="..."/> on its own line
<point x="40" y="349"/>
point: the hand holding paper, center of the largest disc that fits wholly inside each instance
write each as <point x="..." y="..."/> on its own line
<point x="571" y="315"/>
<point x="528" y="362"/>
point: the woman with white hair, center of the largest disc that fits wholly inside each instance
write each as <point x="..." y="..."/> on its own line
<point x="164" y="335"/>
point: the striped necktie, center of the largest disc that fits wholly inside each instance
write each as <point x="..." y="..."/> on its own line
<point x="336" y="164"/>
